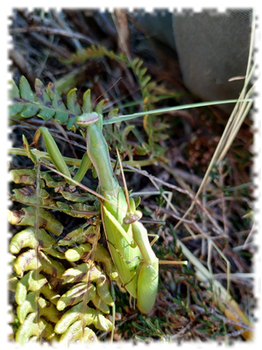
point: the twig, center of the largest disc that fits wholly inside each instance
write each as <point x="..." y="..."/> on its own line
<point x="64" y="25"/>
<point x="209" y="339"/>
<point x="75" y="15"/>
<point x="245" y="246"/>
<point x="219" y="292"/>
<point x="51" y="31"/>
<point x="171" y="213"/>
<point x="192" y="178"/>
<point x="101" y="17"/>
<point x="15" y="55"/>
<point x="118" y="12"/>
<point x="227" y="320"/>
<point x="85" y="8"/>
<point x="235" y="276"/>
<point x="27" y="15"/>
<point x="61" y="51"/>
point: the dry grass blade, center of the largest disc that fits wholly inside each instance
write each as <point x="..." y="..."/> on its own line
<point x="223" y="299"/>
<point x="121" y="22"/>
<point x="234" y="123"/>
<point x="221" y="296"/>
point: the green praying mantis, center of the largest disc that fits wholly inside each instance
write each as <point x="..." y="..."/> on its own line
<point x="129" y="246"/>
<point x="128" y="243"/>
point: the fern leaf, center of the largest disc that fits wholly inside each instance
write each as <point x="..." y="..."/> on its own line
<point x="77" y="253"/>
<point x="42" y="97"/>
<point x="31" y="281"/>
<point x="23" y="176"/>
<point x="86" y="271"/>
<point x="76" y="294"/>
<point x="26" y="216"/>
<point x="75" y="236"/>
<point x="76" y="332"/>
<point x="100" y="304"/>
<point x="87" y="102"/>
<point x="14" y="96"/>
<point x="35" y="303"/>
<point x="91" y="316"/>
<point x="45" y="310"/>
<point x="61" y="115"/>
<point x="27" y="238"/>
<point x="34" y="327"/>
<point x="45" y="102"/>
<point x="30" y="107"/>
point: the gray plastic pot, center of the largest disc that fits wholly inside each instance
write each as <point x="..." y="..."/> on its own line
<point x="211" y="38"/>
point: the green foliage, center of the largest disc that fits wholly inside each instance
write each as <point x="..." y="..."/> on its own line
<point x="149" y="88"/>
<point x="45" y="103"/>
<point x="151" y="92"/>
<point x="57" y="299"/>
<point x="61" y="292"/>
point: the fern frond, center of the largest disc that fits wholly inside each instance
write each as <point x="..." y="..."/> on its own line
<point x="91" y="316"/>
<point x="34" y="328"/>
<point x="45" y="102"/>
<point x="91" y="272"/>
<point x="35" y="303"/>
<point x="150" y="90"/>
<point x="27" y="217"/>
<point x="76" y="332"/>
<point x="27" y="239"/>
<point x="46" y="291"/>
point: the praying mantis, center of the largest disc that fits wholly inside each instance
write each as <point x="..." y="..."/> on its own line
<point x="129" y="246"/>
<point x="128" y="243"/>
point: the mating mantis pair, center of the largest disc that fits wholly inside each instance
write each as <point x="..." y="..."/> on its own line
<point x="127" y="238"/>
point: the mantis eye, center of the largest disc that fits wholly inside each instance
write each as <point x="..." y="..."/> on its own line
<point x="87" y="119"/>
